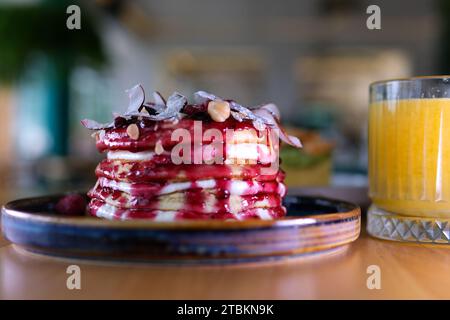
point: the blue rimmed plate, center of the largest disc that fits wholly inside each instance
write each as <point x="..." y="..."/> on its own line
<point x="313" y="224"/>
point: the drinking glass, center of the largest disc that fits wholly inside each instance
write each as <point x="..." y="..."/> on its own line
<point x="409" y="159"/>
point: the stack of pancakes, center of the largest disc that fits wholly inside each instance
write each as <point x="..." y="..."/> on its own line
<point x="142" y="176"/>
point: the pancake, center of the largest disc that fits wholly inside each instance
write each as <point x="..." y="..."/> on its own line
<point x="101" y="209"/>
<point x="200" y="200"/>
<point x="149" y="171"/>
<point x="153" y="132"/>
<point x="210" y="160"/>
<point x="219" y="187"/>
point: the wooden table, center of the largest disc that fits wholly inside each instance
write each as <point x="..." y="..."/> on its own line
<point x="407" y="272"/>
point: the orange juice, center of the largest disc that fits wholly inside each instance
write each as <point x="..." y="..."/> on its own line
<point x="409" y="156"/>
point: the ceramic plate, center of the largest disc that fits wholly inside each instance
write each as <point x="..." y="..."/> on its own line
<point x="313" y="224"/>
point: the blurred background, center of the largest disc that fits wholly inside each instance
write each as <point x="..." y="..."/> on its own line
<point x="313" y="58"/>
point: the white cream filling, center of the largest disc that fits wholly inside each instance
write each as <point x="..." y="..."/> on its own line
<point x="263" y="214"/>
<point x="169" y="188"/>
<point x="281" y="189"/>
<point x="116" y="185"/>
<point x="179" y="186"/>
<point x="236" y="187"/>
<point x="250" y="151"/>
<point x="106" y="211"/>
<point x="243" y="151"/>
<point x="131" y="156"/>
<point x="165" y="216"/>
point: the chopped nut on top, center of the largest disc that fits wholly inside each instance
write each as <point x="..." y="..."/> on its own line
<point x="219" y="110"/>
<point x="133" y="131"/>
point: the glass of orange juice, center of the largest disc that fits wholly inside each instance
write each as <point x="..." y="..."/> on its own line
<point x="409" y="159"/>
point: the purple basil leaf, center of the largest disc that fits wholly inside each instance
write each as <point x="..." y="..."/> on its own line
<point x="201" y="97"/>
<point x="94" y="125"/>
<point x="137" y="98"/>
<point x="158" y="98"/>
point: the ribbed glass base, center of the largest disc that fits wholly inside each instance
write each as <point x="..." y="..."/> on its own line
<point x="390" y="226"/>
